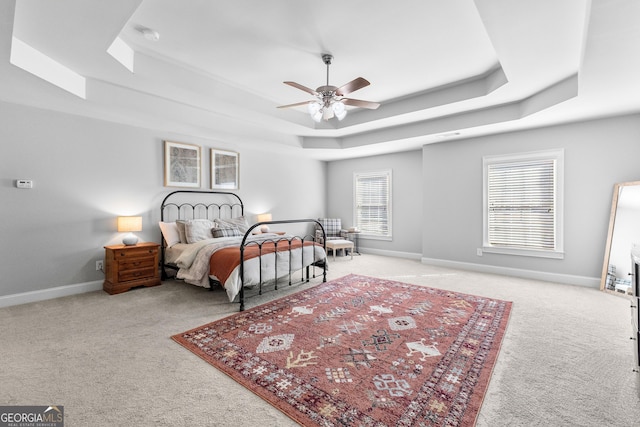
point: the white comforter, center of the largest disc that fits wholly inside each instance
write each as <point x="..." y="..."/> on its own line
<point x="194" y="262"/>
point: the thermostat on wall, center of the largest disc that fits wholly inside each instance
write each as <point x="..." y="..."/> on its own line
<point x="24" y="183"/>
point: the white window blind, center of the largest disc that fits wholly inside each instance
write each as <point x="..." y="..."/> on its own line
<point x="372" y="198"/>
<point x="521" y="203"/>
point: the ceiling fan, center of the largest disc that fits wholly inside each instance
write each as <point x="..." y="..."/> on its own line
<point x="330" y="101"/>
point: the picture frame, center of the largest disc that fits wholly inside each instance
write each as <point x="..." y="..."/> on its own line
<point x="182" y="165"/>
<point x="225" y="169"/>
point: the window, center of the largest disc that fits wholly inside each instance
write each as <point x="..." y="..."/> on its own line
<point x="372" y="199"/>
<point x="523" y="204"/>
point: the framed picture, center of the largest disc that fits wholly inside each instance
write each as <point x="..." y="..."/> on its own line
<point x="182" y="165"/>
<point x="225" y="169"/>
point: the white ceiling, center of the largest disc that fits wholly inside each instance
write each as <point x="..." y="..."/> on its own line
<point x="442" y="70"/>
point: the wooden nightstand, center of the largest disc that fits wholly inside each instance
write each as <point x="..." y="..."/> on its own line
<point x="128" y="267"/>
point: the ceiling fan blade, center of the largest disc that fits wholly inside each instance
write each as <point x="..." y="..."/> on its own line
<point x="359" y="103"/>
<point x="304" y="88"/>
<point x="297" y="104"/>
<point x="352" y="86"/>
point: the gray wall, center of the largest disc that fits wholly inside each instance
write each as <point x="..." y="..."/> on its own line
<point x="597" y="155"/>
<point x="86" y="172"/>
<point x="407" y="217"/>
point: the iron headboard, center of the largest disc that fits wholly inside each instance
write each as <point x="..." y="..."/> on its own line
<point x="200" y="209"/>
<point x="184" y="204"/>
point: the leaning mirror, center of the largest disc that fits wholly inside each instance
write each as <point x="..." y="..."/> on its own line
<point x="624" y="233"/>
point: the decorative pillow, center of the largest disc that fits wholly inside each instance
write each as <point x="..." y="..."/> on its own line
<point x="225" y="232"/>
<point x="181" y="224"/>
<point x="240" y="223"/>
<point x="170" y="233"/>
<point x="198" y="229"/>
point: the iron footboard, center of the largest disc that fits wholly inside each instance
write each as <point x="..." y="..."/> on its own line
<point x="283" y="246"/>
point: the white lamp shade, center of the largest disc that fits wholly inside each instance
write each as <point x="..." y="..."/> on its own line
<point x="313" y="107"/>
<point x="315" y="111"/>
<point x="339" y="110"/>
<point x="262" y="218"/>
<point x="127" y="224"/>
<point x="327" y="113"/>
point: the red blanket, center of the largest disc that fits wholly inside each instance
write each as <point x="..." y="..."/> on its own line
<point x="225" y="260"/>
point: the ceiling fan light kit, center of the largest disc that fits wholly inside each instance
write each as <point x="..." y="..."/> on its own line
<point x="318" y="111"/>
<point x="330" y="101"/>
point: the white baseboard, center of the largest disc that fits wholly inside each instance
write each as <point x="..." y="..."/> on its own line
<point x="45" y="294"/>
<point x="395" y="254"/>
<point x="591" y="282"/>
<point x="79" y="288"/>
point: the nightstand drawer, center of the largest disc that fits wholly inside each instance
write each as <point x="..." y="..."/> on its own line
<point x="126" y="275"/>
<point x="135" y="263"/>
<point x="134" y="252"/>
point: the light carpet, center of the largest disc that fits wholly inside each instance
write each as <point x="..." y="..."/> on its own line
<point x="566" y="359"/>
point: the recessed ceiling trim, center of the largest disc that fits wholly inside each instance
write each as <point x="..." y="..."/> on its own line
<point x="552" y="95"/>
<point x="122" y="53"/>
<point x="40" y="65"/>
<point x="545" y="98"/>
<point x="472" y="87"/>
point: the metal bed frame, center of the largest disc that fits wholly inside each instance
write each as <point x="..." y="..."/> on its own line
<point x="198" y="207"/>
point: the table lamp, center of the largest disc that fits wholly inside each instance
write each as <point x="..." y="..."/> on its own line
<point x="264" y="217"/>
<point x="127" y="224"/>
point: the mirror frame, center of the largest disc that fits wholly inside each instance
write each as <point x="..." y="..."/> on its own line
<point x="612" y="221"/>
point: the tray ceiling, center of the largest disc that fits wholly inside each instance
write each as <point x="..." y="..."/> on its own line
<point x="442" y="70"/>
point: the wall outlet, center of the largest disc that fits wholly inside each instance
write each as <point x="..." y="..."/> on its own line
<point x="99" y="265"/>
<point x="479" y="251"/>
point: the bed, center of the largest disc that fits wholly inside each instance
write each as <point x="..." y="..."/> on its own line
<point x="207" y="241"/>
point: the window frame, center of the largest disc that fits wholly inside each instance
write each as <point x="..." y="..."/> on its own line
<point x="557" y="156"/>
<point x="388" y="236"/>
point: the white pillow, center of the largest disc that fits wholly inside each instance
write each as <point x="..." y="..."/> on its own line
<point x="170" y="233"/>
<point x="239" y="222"/>
<point x="198" y="229"/>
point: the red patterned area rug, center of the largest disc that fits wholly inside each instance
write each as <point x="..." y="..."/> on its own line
<point x="362" y="351"/>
